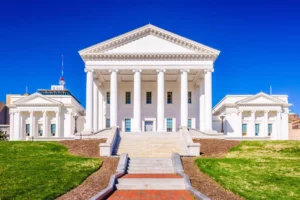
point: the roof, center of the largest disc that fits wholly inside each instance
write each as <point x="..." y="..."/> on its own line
<point x="102" y="50"/>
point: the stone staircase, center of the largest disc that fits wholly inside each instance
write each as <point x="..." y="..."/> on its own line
<point x="150" y="174"/>
<point x="149" y="144"/>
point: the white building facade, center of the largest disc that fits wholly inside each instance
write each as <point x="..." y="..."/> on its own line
<point x="148" y="80"/>
<point x="45" y="115"/>
<point x="259" y="116"/>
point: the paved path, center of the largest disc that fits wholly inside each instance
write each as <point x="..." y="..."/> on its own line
<point x="151" y="195"/>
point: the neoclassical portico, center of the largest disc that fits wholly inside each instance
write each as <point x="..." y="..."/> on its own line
<point x="148" y="79"/>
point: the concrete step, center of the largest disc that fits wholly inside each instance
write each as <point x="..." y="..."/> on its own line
<point x="151" y="183"/>
<point x="151" y="171"/>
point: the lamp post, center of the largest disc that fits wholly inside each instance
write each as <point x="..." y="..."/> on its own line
<point x="222" y="118"/>
<point x="75" y="130"/>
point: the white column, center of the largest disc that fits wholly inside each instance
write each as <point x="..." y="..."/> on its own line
<point x="202" y="106"/>
<point x="57" y="134"/>
<point x="252" y="124"/>
<point x="184" y="97"/>
<point x="266" y="120"/>
<point x="89" y="101"/>
<point x="137" y="115"/>
<point x="278" y="122"/>
<point x="17" y="126"/>
<point x="208" y="99"/>
<point x="45" y="124"/>
<point x="160" y="100"/>
<point x="113" y="97"/>
<point x="31" y="124"/>
<point x="95" y="106"/>
<point x="11" y="126"/>
<point x="100" y="108"/>
<point x="240" y="124"/>
<point x="71" y="130"/>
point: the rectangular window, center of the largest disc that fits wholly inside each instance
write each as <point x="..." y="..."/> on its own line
<point x="169" y="124"/>
<point x="269" y="129"/>
<point x="190" y="97"/>
<point x="127" y="125"/>
<point x="107" y="123"/>
<point x="127" y="98"/>
<point x="256" y="129"/>
<point x="27" y="127"/>
<point x="189" y="123"/>
<point x="244" y="129"/>
<point x="148" y="98"/>
<point x="169" y="97"/>
<point x="40" y="130"/>
<point x="53" y="129"/>
<point x="108" y="97"/>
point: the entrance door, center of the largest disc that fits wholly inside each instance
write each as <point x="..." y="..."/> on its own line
<point x="148" y="126"/>
<point x="127" y="125"/>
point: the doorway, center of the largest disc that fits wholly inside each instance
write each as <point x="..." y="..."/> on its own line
<point x="148" y="126"/>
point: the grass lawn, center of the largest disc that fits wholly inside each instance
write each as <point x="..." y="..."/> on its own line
<point x="258" y="169"/>
<point x="40" y="170"/>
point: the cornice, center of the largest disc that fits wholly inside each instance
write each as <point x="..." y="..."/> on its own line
<point x="149" y="56"/>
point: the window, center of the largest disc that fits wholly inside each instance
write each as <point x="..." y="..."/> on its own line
<point x="169" y="97"/>
<point x="27" y="127"/>
<point x="53" y="129"/>
<point x="127" y="98"/>
<point x="269" y="129"/>
<point x="256" y="129"/>
<point x="148" y="98"/>
<point x="169" y="125"/>
<point x="244" y="129"/>
<point x="190" y="97"/>
<point x="108" y="97"/>
<point x="189" y="123"/>
<point x="107" y="123"/>
<point x="127" y="125"/>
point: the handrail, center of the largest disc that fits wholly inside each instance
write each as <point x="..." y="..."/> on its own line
<point x="192" y="149"/>
<point x="177" y="165"/>
<point x="121" y="169"/>
<point x="107" y="148"/>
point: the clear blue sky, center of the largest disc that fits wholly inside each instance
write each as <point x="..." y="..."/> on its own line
<point x="259" y="40"/>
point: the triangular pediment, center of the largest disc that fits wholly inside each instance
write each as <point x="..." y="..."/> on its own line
<point x="149" y="39"/>
<point x="36" y="99"/>
<point x="261" y="98"/>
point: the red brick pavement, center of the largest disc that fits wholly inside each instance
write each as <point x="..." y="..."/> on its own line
<point x="151" y="195"/>
<point x="151" y="176"/>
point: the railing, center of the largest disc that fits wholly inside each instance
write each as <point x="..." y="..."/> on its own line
<point x="177" y="165"/>
<point x="107" y="148"/>
<point x="121" y="169"/>
<point x="192" y="149"/>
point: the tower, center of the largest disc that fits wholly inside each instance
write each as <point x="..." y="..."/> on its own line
<point x="62" y="79"/>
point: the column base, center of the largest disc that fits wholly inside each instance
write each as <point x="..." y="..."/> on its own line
<point x="86" y="132"/>
<point x="210" y="131"/>
<point x="136" y="130"/>
<point x="160" y="130"/>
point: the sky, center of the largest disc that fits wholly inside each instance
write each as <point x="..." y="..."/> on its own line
<point x="259" y="41"/>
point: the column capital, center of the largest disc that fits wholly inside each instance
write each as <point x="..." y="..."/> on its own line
<point x="137" y="70"/>
<point x="45" y="111"/>
<point x="113" y="70"/>
<point x="209" y="70"/>
<point x="88" y="70"/>
<point x="160" y="70"/>
<point x="11" y="112"/>
<point x="266" y="111"/>
<point x="184" y="70"/>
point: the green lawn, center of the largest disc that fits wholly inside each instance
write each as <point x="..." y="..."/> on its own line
<point x="258" y="169"/>
<point x="40" y="170"/>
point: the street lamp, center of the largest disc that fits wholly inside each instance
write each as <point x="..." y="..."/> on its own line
<point x="222" y="118"/>
<point x="75" y="130"/>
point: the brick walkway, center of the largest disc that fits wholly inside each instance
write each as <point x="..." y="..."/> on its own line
<point x="151" y="195"/>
